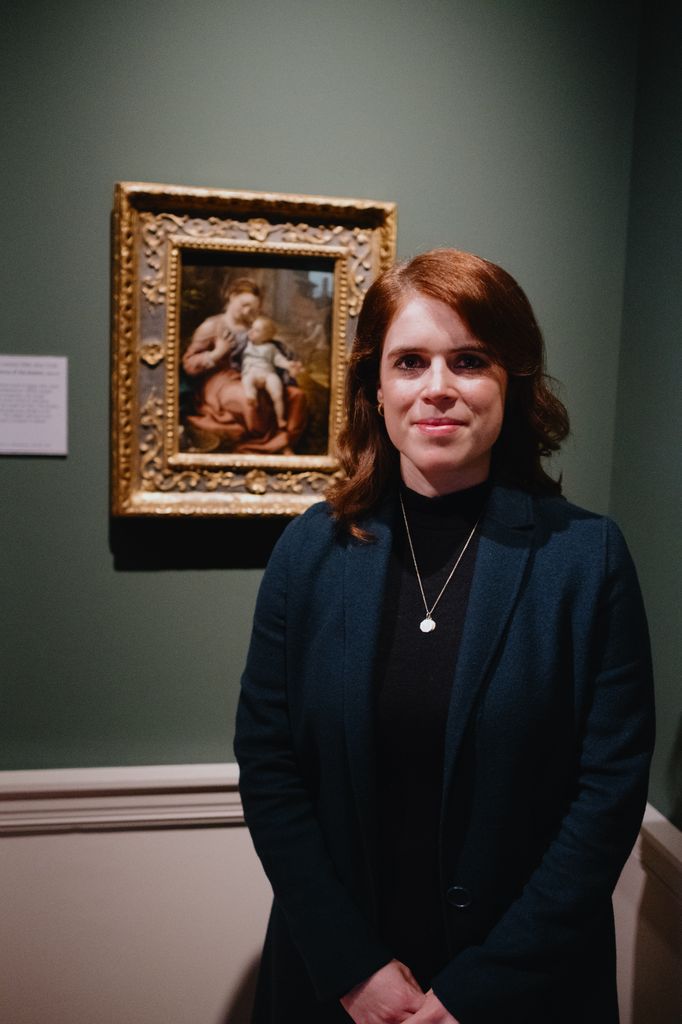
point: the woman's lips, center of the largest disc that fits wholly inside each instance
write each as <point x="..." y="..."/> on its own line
<point x="438" y="425"/>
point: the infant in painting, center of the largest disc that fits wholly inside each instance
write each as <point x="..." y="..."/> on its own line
<point x="260" y="359"/>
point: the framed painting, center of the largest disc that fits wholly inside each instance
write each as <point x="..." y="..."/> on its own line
<point x="233" y="316"/>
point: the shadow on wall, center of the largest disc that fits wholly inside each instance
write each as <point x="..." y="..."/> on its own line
<point x="675" y="778"/>
<point x="143" y="544"/>
<point x="241" y="1004"/>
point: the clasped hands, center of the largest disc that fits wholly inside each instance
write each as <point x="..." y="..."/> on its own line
<point x="392" y="996"/>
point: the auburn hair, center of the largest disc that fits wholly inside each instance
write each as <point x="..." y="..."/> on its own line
<point x="496" y="311"/>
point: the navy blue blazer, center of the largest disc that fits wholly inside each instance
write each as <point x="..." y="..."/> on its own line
<point x="548" y="742"/>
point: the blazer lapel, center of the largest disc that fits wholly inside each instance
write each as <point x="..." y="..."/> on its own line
<point x="503" y="552"/>
<point x="364" y="580"/>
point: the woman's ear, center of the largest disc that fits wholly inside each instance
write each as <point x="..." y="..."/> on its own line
<point x="380" y="396"/>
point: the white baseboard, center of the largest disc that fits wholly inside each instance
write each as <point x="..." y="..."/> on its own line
<point x="165" y="796"/>
<point x="145" y="796"/>
<point x="76" y="839"/>
<point x="659" y="848"/>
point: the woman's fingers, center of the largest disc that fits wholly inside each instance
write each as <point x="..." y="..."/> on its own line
<point x="388" y="996"/>
<point x="431" y="1011"/>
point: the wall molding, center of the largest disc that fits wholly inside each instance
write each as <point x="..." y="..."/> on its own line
<point x="659" y="847"/>
<point x="186" y="795"/>
<point x="98" y="799"/>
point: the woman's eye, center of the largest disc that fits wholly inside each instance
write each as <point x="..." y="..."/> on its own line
<point x="470" y="361"/>
<point x="409" y="362"/>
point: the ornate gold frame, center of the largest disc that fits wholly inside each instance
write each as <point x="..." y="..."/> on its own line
<point x="153" y="225"/>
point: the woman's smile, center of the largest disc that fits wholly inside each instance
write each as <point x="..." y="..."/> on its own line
<point x="439" y="425"/>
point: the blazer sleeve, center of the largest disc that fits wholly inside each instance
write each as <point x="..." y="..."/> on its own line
<point x="331" y="933"/>
<point x="531" y="947"/>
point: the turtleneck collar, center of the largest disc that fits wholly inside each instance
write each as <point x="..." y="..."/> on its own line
<point x="445" y="510"/>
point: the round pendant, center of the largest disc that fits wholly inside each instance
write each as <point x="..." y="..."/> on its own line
<point x="427" y="625"/>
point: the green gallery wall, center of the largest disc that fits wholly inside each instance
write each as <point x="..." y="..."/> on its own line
<point x="528" y="132"/>
<point x="646" y="492"/>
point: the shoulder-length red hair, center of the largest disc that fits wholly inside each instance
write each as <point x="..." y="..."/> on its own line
<point x="497" y="312"/>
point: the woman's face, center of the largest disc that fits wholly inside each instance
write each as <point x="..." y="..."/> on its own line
<point x="242" y="307"/>
<point x="443" y="397"/>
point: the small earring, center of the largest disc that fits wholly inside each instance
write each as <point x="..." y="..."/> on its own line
<point x="380" y="409"/>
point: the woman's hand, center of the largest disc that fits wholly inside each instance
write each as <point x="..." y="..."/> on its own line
<point x="431" y="1011"/>
<point x="389" y="996"/>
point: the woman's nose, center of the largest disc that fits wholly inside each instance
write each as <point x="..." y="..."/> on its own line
<point x="439" y="382"/>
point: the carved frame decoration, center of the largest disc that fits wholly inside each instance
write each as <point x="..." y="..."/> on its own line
<point x="157" y="227"/>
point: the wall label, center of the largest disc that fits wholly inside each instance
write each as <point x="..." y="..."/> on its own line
<point x="33" y="405"/>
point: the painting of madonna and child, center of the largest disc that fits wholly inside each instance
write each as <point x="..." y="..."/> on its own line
<point x="255" y="356"/>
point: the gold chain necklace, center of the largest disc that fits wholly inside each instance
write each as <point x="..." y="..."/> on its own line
<point x="427" y="625"/>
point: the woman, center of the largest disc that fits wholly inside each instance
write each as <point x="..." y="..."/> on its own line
<point x="223" y="415"/>
<point x="446" y="716"/>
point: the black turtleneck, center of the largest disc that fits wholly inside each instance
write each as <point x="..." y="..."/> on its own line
<point x="414" y="677"/>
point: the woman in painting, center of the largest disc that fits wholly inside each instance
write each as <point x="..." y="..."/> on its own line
<point x="223" y="416"/>
<point x="446" y="718"/>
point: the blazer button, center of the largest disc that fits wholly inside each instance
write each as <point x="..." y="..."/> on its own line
<point x="459" y="897"/>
